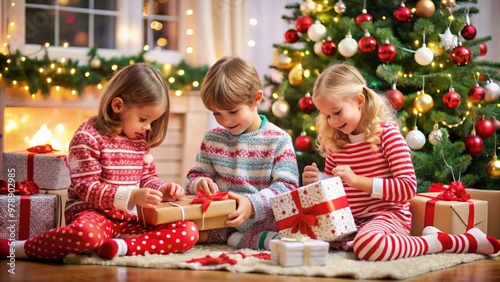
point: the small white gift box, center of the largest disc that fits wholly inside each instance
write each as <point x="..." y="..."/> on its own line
<point x="289" y="252"/>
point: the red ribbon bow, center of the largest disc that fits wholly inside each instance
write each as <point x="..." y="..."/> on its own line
<point x="24" y="188"/>
<point x="204" y="199"/>
<point x="41" y="149"/>
<point x="455" y="191"/>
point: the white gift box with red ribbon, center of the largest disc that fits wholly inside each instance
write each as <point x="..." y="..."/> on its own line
<point x="319" y="210"/>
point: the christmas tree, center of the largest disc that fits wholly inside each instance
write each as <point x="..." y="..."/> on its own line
<point x="424" y="55"/>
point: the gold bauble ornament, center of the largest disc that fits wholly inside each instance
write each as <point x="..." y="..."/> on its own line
<point x="425" y="8"/>
<point x="95" y="63"/>
<point x="296" y="75"/>
<point x="308" y="7"/>
<point x="448" y="5"/>
<point x="493" y="168"/>
<point x="285" y="62"/>
<point x="423" y="103"/>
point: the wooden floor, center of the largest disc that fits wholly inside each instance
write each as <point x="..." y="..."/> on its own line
<point x="483" y="270"/>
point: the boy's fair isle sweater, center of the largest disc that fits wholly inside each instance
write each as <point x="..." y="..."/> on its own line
<point x="259" y="165"/>
<point x="394" y="180"/>
<point x="104" y="170"/>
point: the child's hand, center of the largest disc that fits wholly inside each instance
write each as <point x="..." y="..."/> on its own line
<point x="243" y="211"/>
<point x="310" y="174"/>
<point x="146" y="197"/>
<point x="345" y="172"/>
<point x="172" y="192"/>
<point x="208" y="185"/>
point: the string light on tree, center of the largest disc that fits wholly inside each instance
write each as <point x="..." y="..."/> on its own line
<point x="308" y="7"/>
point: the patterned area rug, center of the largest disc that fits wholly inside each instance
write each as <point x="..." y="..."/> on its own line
<point x="339" y="264"/>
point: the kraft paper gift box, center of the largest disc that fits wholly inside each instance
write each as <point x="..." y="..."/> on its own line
<point x="319" y="210"/>
<point x="61" y="198"/>
<point x="452" y="217"/>
<point x="288" y="253"/>
<point x="493" y="199"/>
<point x="24" y="217"/>
<point x="48" y="170"/>
<point x="167" y="212"/>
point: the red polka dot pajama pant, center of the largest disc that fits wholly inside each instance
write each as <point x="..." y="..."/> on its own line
<point x="89" y="230"/>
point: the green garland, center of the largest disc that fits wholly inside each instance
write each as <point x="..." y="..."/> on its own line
<point x="40" y="75"/>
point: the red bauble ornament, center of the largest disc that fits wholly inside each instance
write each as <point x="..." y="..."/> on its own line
<point x="451" y="99"/>
<point x="303" y="23"/>
<point x="367" y="44"/>
<point x="396" y="98"/>
<point x="477" y="93"/>
<point x="468" y="32"/>
<point x="306" y="104"/>
<point x="386" y="52"/>
<point x="291" y="36"/>
<point x="474" y="145"/>
<point x="402" y="14"/>
<point x="364" y="17"/>
<point x="461" y="55"/>
<point x="484" y="128"/>
<point x="303" y="142"/>
<point x="328" y="48"/>
<point x="483" y="49"/>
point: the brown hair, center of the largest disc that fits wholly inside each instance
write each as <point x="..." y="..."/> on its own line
<point x="138" y="84"/>
<point x="230" y="82"/>
<point x="342" y="82"/>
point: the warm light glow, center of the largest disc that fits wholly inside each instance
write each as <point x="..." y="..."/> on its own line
<point x="251" y="43"/>
<point x="181" y="72"/>
<point x="253" y="21"/>
<point x="178" y="93"/>
<point x="189" y="31"/>
<point x="99" y="86"/>
<point x="189" y="50"/>
<point x="114" y="67"/>
<point x="171" y="79"/>
<point x="11" y="125"/>
<point x="42" y="136"/>
<point x="196" y="83"/>
<point x="189" y="12"/>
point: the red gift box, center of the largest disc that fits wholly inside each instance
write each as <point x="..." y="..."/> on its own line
<point x="48" y="170"/>
<point x="24" y="217"/>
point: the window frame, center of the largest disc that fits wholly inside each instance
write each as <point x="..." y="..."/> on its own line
<point x="129" y="26"/>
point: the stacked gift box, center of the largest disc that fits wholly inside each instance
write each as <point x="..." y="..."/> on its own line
<point x="26" y="211"/>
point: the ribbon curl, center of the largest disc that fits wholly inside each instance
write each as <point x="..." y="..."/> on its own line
<point x="24" y="188"/>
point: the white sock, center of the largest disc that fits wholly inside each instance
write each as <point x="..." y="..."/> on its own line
<point x="122" y="247"/>
<point x="19" y="249"/>
<point x="430" y="235"/>
<point x="234" y="239"/>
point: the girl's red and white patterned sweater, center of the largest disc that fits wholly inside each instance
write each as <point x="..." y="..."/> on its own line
<point x="104" y="170"/>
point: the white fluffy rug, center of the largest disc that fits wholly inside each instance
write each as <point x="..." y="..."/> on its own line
<point x="339" y="264"/>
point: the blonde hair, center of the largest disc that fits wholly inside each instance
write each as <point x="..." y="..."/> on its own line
<point x="138" y="84"/>
<point x="342" y="82"/>
<point x="230" y="82"/>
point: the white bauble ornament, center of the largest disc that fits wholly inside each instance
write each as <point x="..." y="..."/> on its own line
<point x="308" y="7"/>
<point x="492" y="91"/>
<point x="280" y="108"/>
<point x="415" y="139"/>
<point x="348" y="47"/>
<point x="317" y="49"/>
<point x="95" y="63"/>
<point x="316" y="31"/>
<point x="436" y="135"/>
<point x="424" y="55"/>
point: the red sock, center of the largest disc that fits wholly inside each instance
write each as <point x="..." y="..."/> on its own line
<point x="4" y="249"/>
<point x="108" y="250"/>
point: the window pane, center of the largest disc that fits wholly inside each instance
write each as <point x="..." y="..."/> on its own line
<point x="105" y="5"/>
<point x="39" y="26"/>
<point x="75" y="3"/>
<point x="74" y="29"/>
<point x="104" y="32"/>
<point x="41" y="2"/>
